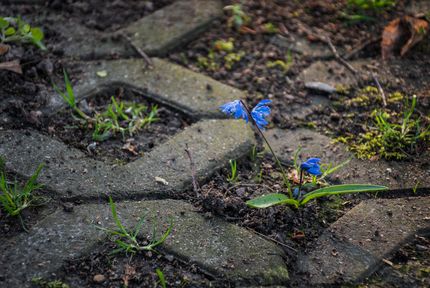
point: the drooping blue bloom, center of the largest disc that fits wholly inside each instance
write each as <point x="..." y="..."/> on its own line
<point x="312" y="166"/>
<point x="236" y="109"/>
<point x="260" y="112"/>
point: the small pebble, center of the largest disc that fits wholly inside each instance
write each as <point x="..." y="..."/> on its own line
<point x="99" y="278"/>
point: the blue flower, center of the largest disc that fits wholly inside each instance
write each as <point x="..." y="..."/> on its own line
<point x="260" y="112"/>
<point x="236" y="109"/>
<point x="312" y="166"/>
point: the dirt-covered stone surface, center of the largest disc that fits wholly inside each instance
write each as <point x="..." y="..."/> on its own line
<point x="333" y="97"/>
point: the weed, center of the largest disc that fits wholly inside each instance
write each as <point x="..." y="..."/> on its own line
<point x="221" y="55"/>
<point x="233" y="167"/>
<point x="127" y="240"/>
<point x="161" y="277"/>
<point x="122" y="117"/>
<point x="238" y="16"/>
<point x="284" y="65"/>
<point x="389" y="138"/>
<point x="119" y="117"/>
<point x="14" y="198"/>
<point x="18" y="31"/>
<point x="42" y="283"/>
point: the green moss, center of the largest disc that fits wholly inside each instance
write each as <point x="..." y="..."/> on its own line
<point x="342" y="89"/>
<point x="40" y="282"/>
<point x="395" y="97"/>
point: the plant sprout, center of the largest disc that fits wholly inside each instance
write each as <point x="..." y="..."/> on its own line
<point x="16" y="30"/>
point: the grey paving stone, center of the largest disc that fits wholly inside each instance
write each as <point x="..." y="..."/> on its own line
<point x="397" y="175"/>
<point x="355" y="245"/>
<point x="213" y="244"/>
<point x="67" y="173"/>
<point x="302" y="46"/>
<point x="212" y="143"/>
<point x="80" y="42"/>
<point x="328" y="72"/>
<point x="70" y="174"/>
<point x="190" y="92"/>
<point x="171" y="26"/>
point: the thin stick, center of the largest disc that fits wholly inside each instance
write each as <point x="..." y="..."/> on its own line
<point x="193" y="170"/>
<point x="381" y="91"/>
<point x="271" y="239"/>
<point x="284" y="175"/>
<point x="340" y="59"/>
<point x="139" y="51"/>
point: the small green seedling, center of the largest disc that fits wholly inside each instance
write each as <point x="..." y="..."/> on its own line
<point x="119" y="117"/>
<point x="127" y="240"/>
<point x="238" y="16"/>
<point x="17" y="31"/>
<point x="69" y="96"/>
<point x="233" y="168"/>
<point x="161" y="278"/>
<point x="122" y="117"/>
<point x="14" y="198"/>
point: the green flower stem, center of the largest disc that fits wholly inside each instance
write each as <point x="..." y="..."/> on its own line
<point x="284" y="174"/>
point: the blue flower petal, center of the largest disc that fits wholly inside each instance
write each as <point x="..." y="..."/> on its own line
<point x="312" y="166"/>
<point x="235" y="109"/>
<point x="260" y="112"/>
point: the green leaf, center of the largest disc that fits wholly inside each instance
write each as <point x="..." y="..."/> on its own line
<point x="3" y="23"/>
<point x="36" y="33"/>
<point x="10" y="31"/>
<point x="160" y="275"/>
<point x="25" y="28"/>
<point x="341" y="189"/>
<point x="271" y="200"/>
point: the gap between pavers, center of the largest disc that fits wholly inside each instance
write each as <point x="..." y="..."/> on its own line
<point x="173" y="25"/>
<point x="355" y="245"/>
<point x="70" y="174"/>
<point x="396" y="175"/>
<point x="189" y="92"/>
<point x="213" y="244"/>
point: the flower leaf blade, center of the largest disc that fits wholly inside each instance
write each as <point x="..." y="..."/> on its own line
<point x="341" y="189"/>
<point x="271" y="200"/>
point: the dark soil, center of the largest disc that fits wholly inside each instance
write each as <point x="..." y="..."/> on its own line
<point x="117" y="148"/>
<point x="138" y="270"/>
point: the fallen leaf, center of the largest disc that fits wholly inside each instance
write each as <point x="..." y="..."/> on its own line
<point x="4" y="49"/>
<point x="298" y="235"/>
<point x="401" y="34"/>
<point x="13" y="66"/>
<point x="247" y="30"/>
<point x="161" y="180"/>
<point x="130" y="148"/>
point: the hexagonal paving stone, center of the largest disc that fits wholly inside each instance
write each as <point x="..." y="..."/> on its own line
<point x="354" y="246"/>
<point x="173" y="25"/>
<point x="213" y="244"/>
<point x="183" y="89"/>
<point x="70" y="174"/>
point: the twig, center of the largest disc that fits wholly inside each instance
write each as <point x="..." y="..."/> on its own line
<point x="193" y="170"/>
<point x="271" y="239"/>
<point x="381" y="91"/>
<point x="140" y="52"/>
<point x="361" y="47"/>
<point x="338" y="58"/>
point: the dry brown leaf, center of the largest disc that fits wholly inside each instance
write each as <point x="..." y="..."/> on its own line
<point x="418" y="28"/>
<point x="401" y="34"/>
<point x="129" y="273"/>
<point x="13" y="66"/>
<point x="4" y="49"/>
